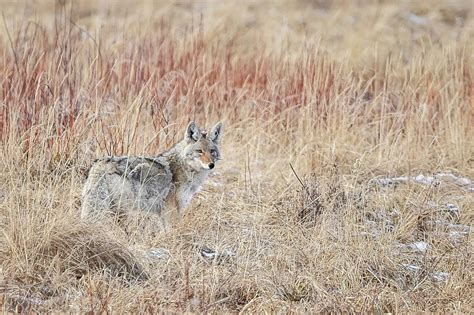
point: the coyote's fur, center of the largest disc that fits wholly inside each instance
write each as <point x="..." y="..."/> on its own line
<point x="152" y="184"/>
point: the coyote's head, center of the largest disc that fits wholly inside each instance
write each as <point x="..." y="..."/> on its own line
<point x="202" y="149"/>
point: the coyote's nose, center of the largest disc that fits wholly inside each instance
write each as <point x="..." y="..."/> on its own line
<point x="211" y="165"/>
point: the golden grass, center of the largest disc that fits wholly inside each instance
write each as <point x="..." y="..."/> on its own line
<point x="318" y="99"/>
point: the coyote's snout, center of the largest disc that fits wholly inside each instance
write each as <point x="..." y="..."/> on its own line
<point x="119" y="184"/>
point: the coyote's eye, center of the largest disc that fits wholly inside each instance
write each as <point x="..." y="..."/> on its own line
<point x="199" y="151"/>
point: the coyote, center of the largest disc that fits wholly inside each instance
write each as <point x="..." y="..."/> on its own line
<point x="152" y="184"/>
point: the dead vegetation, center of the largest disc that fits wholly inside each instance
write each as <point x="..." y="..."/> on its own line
<point x="346" y="183"/>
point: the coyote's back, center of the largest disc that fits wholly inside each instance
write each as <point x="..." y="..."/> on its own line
<point x="126" y="182"/>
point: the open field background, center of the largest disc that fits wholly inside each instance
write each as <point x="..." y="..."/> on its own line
<point x="324" y="103"/>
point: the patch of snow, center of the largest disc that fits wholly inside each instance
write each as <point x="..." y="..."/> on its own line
<point x="419" y="246"/>
<point x="460" y="181"/>
<point x="214" y="184"/>
<point x="371" y="223"/>
<point x="211" y="254"/>
<point x="208" y="253"/>
<point x="368" y="234"/>
<point x="440" y="276"/>
<point x="159" y="253"/>
<point x="383" y="181"/>
<point x="452" y="208"/>
<point x="457" y="234"/>
<point x="458" y="227"/>
<point x="450" y="226"/>
<point x="416" y="19"/>
<point x="436" y="179"/>
<point x="426" y="180"/>
<point x="413" y="268"/>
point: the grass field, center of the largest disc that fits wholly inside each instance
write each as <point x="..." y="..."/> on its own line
<point x="348" y="154"/>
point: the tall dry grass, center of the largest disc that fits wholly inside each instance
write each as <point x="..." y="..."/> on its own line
<point x="318" y="99"/>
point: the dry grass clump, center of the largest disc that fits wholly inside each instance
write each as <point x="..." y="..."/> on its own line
<point x="44" y="256"/>
<point x="346" y="180"/>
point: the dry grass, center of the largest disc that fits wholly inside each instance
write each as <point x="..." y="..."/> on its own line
<point x="318" y="98"/>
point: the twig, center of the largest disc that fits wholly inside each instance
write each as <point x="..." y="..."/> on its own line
<point x="294" y="172"/>
<point x="11" y="42"/>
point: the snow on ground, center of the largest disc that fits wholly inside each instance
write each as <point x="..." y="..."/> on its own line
<point x="436" y="179"/>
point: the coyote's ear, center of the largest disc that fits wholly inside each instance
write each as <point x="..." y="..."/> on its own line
<point x="192" y="132"/>
<point x="215" y="134"/>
